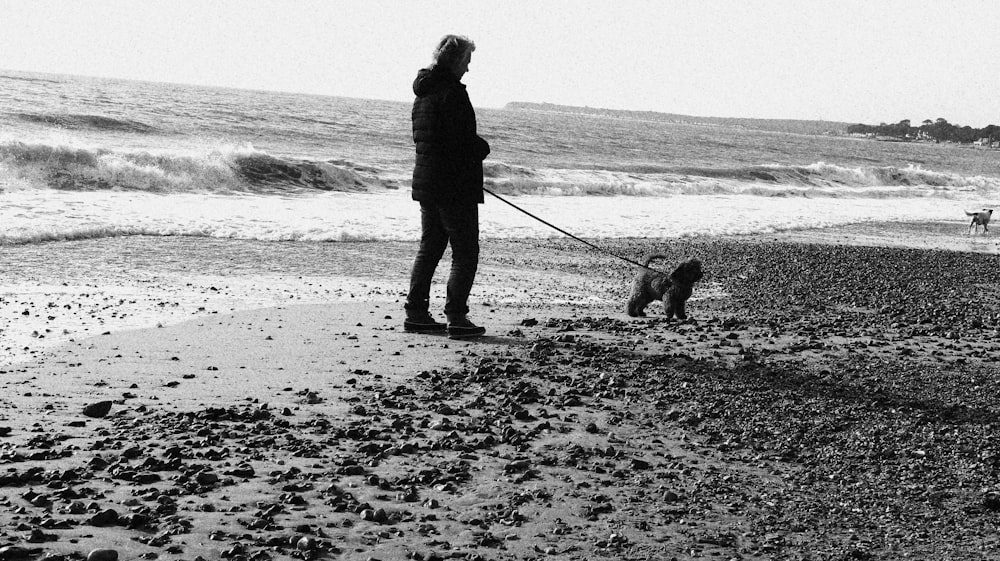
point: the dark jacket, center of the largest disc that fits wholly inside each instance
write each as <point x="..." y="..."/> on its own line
<point x="449" y="162"/>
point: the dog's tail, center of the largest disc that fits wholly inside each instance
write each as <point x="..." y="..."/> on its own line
<point x="649" y="257"/>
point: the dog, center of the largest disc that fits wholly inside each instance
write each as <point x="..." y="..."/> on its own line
<point x="981" y="217"/>
<point x="674" y="289"/>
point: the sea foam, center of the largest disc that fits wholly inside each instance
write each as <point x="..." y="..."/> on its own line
<point x="35" y="216"/>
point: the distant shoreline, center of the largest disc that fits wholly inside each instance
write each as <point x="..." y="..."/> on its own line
<point x="795" y="126"/>
<point x="792" y="126"/>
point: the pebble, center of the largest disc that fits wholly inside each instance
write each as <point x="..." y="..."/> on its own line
<point x="441" y="425"/>
<point x="98" y="409"/>
<point x="306" y="544"/>
<point x="206" y="478"/>
<point x="991" y="501"/>
<point x="640" y="464"/>
<point x="102" y="555"/>
<point x="374" y="515"/>
<point x="10" y="552"/>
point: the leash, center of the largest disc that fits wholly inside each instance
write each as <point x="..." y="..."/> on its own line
<point x="585" y="242"/>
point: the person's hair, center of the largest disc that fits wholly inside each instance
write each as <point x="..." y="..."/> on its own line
<point x="451" y="49"/>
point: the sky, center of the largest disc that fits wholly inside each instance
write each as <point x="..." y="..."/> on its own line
<point x="857" y="61"/>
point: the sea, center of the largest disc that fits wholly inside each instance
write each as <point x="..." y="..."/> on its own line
<point x="85" y="158"/>
<point x="234" y="193"/>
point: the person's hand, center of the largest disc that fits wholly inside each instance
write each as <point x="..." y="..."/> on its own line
<point x="483" y="148"/>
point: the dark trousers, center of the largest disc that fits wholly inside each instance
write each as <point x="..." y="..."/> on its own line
<point x="442" y="224"/>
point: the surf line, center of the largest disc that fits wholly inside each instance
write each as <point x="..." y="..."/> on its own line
<point x="583" y="241"/>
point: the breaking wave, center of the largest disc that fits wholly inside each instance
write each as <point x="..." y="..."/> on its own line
<point x="246" y="170"/>
<point x="238" y="170"/>
<point x="815" y="180"/>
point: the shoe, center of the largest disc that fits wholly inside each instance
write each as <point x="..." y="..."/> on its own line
<point x="461" y="328"/>
<point x="422" y="322"/>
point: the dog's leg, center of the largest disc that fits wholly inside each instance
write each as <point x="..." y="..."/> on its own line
<point x="636" y="306"/>
<point x="674" y="309"/>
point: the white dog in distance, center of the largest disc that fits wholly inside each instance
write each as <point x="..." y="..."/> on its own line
<point x="980" y="217"/>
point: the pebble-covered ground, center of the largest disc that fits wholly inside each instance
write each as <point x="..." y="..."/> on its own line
<point x="821" y="402"/>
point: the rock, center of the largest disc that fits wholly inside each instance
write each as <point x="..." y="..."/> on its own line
<point x="374" y="515"/>
<point x="38" y="536"/>
<point x="145" y="478"/>
<point x="242" y="471"/>
<point x="441" y="425"/>
<point x="410" y="495"/>
<point x="991" y="501"/>
<point x="103" y="518"/>
<point x="638" y="464"/>
<point x="517" y="465"/>
<point x="97" y="410"/>
<point x="102" y="555"/>
<point x="10" y="552"/>
<point x="523" y="415"/>
<point x="206" y="478"/>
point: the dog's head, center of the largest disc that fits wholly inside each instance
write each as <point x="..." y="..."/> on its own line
<point x="687" y="273"/>
<point x="681" y="285"/>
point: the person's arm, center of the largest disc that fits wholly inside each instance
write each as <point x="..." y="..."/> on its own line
<point x="458" y="120"/>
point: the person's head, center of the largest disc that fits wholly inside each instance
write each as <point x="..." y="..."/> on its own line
<point x="454" y="53"/>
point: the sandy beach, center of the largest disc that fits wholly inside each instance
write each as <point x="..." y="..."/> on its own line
<point x="833" y="395"/>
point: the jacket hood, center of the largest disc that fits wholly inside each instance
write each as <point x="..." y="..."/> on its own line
<point x="432" y="79"/>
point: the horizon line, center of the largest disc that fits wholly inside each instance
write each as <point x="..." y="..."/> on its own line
<point x="503" y="107"/>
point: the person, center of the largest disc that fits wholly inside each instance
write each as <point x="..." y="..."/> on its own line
<point x="448" y="184"/>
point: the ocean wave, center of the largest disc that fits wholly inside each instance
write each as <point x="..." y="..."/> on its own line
<point x="28" y="79"/>
<point x="814" y="180"/>
<point x="83" y="121"/>
<point x="246" y="170"/>
<point x="224" y="170"/>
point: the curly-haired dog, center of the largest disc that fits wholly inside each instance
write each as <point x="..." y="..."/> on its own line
<point x="980" y="217"/>
<point x="674" y="289"/>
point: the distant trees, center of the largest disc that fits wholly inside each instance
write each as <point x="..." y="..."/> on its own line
<point x="939" y="130"/>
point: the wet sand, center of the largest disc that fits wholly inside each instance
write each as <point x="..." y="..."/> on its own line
<point x="833" y="395"/>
